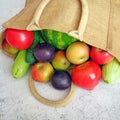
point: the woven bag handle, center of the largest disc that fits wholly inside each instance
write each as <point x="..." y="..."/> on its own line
<point x="55" y="103"/>
<point x="83" y="22"/>
<point x="34" y="24"/>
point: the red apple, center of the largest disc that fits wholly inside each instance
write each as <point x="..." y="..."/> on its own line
<point x="86" y="75"/>
<point x="77" y="52"/>
<point x="8" y="48"/>
<point x="42" y="71"/>
<point x="60" y="62"/>
<point x="100" y="56"/>
<point x="19" y="39"/>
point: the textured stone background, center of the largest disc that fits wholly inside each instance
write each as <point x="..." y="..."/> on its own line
<point x="17" y="102"/>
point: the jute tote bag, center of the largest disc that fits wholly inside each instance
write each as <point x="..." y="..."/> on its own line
<point x="95" y="22"/>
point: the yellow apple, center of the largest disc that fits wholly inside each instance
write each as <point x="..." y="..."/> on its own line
<point x="8" y="48"/>
<point x="78" y="52"/>
<point x="60" y="62"/>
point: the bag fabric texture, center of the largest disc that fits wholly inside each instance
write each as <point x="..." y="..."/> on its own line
<point x="96" y="22"/>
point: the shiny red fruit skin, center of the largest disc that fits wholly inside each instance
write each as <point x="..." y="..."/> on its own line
<point x="86" y="75"/>
<point x="19" y="39"/>
<point x="42" y="71"/>
<point x="99" y="56"/>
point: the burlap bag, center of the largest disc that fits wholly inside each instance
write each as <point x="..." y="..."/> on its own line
<point x="96" y="22"/>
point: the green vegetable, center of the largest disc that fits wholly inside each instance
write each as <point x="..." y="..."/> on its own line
<point x="111" y="71"/>
<point x="59" y="40"/>
<point x="30" y="58"/>
<point x="20" y="66"/>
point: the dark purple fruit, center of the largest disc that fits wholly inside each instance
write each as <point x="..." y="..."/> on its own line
<point x="44" y="52"/>
<point x="61" y="80"/>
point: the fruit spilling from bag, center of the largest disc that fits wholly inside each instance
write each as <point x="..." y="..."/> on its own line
<point x="59" y="58"/>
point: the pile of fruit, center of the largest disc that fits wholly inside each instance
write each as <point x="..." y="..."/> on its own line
<point x="59" y="58"/>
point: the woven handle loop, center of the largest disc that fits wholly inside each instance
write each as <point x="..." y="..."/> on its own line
<point x="57" y="103"/>
<point x="34" y="24"/>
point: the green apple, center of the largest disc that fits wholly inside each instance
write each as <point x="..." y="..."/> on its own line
<point x="77" y="52"/>
<point x="8" y="48"/>
<point x="42" y="71"/>
<point x="60" y="62"/>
